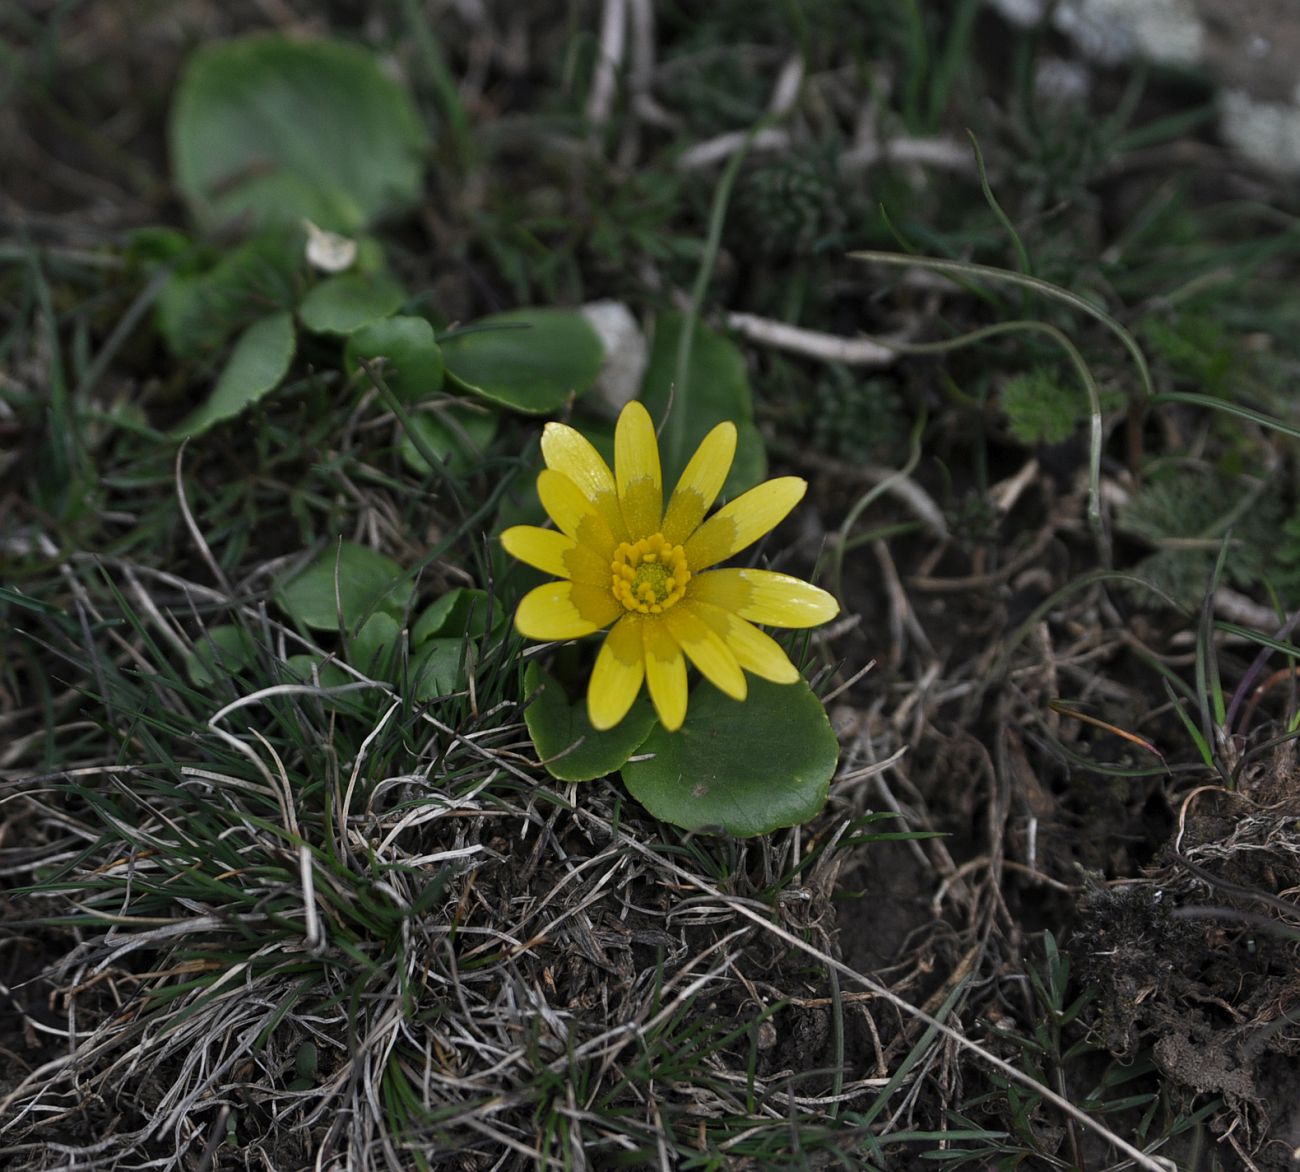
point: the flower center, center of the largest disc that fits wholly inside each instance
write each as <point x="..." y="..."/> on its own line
<point x="649" y="575"/>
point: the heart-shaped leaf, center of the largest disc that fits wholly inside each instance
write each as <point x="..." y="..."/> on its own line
<point x="438" y="669"/>
<point x="412" y="358"/>
<point x="456" y="435"/>
<point x="741" y="767"/>
<point x="340" y="305"/>
<point x="313" y="668"/>
<point x="569" y="747"/>
<point x="367" y="582"/>
<point x="315" y="671"/>
<point x="218" y="654"/>
<point x="372" y="648"/>
<point x="461" y="612"/>
<point x="283" y="130"/>
<point x="716" y="388"/>
<point x="531" y="360"/>
<point x="200" y="307"/>
<point x="259" y="360"/>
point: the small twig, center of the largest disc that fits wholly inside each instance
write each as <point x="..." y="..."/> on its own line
<point x="641" y="73"/>
<point x="609" y="59"/>
<point x="788" y="84"/>
<point x="811" y="343"/>
<point x="902" y="613"/>
<point x="713" y="151"/>
<point x="192" y="526"/>
<point x="947" y="153"/>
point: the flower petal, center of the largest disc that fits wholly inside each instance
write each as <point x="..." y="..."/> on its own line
<point x="571" y="453"/>
<point x="700" y="483"/>
<point x="763" y="596"/>
<point x="636" y="470"/>
<point x="542" y="548"/>
<point x="754" y="650"/>
<point x="706" y="649"/>
<point x="665" y="673"/>
<point x="575" y="514"/>
<point x="743" y="521"/>
<point x="565" y="610"/>
<point x="616" y="678"/>
<point x="556" y="554"/>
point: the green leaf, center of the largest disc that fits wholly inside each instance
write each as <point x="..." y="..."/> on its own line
<point x="199" y="309"/>
<point x="1041" y="409"/>
<point x="1197" y="348"/>
<point x="372" y="646"/>
<point x="279" y="130"/>
<point x="152" y="246"/>
<point x="354" y="702"/>
<point x="437" y="669"/>
<point x="443" y="637"/>
<point x="256" y="365"/>
<point x="219" y="653"/>
<point x="367" y="581"/>
<point x="413" y="361"/>
<point x="556" y="725"/>
<point x="717" y="390"/>
<point x="329" y="675"/>
<point x="455" y="434"/>
<point x="461" y="613"/>
<point x="742" y="767"/>
<point x="532" y="362"/>
<point x="340" y="305"/>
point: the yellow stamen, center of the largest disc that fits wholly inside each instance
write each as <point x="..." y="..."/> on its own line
<point x="649" y="575"/>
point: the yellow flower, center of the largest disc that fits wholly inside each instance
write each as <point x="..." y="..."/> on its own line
<point x="624" y="559"/>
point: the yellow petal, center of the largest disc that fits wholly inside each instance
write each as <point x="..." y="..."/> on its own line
<point x="565" y="610"/>
<point x="636" y="469"/>
<point x="616" y="678"/>
<point x="754" y="650"/>
<point x="763" y="596"/>
<point x="706" y="649"/>
<point x="556" y="554"/>
<point x="700" y="483"/>
<point x="571" y="453"/>
<point x="743" y="521"/>
<point x="586" y="564"/>
<point x="575" y="514"/>
<point x="543" y="548"/>
<point x="665" y="673"/>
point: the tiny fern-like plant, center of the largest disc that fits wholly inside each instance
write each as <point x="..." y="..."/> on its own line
<point x="1186" y="514"/>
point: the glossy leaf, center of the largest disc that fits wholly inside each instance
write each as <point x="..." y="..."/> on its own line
<point x="314" y="668"/>
<point x="412" y="367"/>
<point x="568" y="746"/>
<point x="456" y="435"/>
<point x="219" y="653"/>
<point x="461" y="612"/>
<point x="740" y="767"/>
<point x="257" y="364"/>
<point x="278" y="130"/>
<point x="343" y="304"/>
<point x="373" y="647"/>
<point x="438" y="669"/>
<point x="367" y="582"/>
<point x="530" y="360"/>
<point x="204" y="303"/>
<point x="316" y="671"/>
